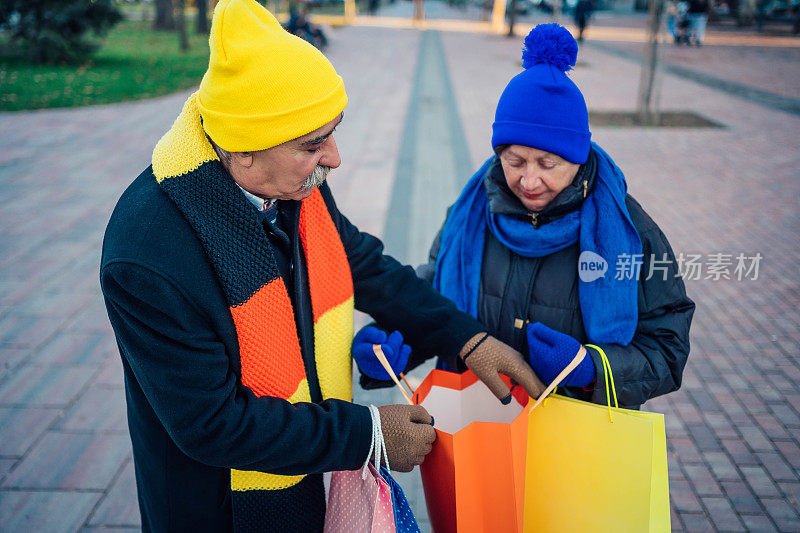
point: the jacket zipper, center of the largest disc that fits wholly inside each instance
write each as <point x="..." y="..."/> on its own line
<point x="525" y="312"/>
<point x="304" y="316"/>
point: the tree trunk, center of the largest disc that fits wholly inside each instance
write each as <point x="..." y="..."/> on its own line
<point x="165" y="20"/>
<point x="419" y="11"/>
<point x="647" y="101"/>
<point x="746" y="15"/>
<point x="184" y="40"/>
<point x="202" y="16"/>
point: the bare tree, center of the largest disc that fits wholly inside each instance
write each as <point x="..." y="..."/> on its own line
<point x="184" y="39"/>
<point x="647" y="105"/>
<point x="164" y="19"/>
<point x="202" y="16"/>
<point x="419" y="10"/>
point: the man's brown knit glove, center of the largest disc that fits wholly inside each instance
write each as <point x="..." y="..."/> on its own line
<point x="408" y="434"/>
<point x="487" y="356"/>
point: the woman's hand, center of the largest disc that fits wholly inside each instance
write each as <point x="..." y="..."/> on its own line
<point x="550" y="351"/>
<point x="393" y="348"/>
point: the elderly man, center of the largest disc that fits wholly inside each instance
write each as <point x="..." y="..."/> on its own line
<point x="230" y="279"/>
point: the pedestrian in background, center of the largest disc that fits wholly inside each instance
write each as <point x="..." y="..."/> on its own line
<point x="672" y="16"/>
<point x="698" y="17"/>
<point x="299" y="24"/>
<point x="583" y="12"/>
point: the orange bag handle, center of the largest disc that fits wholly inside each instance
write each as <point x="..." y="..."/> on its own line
<point x="386" y="366"/>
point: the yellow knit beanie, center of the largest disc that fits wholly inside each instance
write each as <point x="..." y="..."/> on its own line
<point x="263" y="86"/>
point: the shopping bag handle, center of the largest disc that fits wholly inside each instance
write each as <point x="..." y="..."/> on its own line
<point x="377" y="446"/>
<point x="609" y="377"/>
<point x="386" y="366"/>
<point x="559" y="378"/>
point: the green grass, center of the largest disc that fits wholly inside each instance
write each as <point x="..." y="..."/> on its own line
<point x="134" y="62"/>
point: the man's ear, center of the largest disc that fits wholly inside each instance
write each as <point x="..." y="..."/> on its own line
<point x="244" y="159"/>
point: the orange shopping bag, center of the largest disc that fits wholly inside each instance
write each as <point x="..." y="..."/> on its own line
<point x="474" y="476"/>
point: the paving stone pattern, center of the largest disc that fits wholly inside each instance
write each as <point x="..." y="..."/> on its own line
<point x="733" y="428"/>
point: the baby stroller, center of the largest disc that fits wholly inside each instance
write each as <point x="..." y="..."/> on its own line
<point x="682" y="24"/>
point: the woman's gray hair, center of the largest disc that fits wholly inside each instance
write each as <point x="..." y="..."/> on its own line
<point x="224" y="155"/>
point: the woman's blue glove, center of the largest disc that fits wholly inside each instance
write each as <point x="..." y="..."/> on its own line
<point x="549" y="352"/>
<point x="393" y="348"/>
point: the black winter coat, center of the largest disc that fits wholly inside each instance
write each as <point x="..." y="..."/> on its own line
<point x="190" y="418"/>
<point x="516" y="290"/>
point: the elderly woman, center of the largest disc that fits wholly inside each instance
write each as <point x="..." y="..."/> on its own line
<point x="543" y="244"/>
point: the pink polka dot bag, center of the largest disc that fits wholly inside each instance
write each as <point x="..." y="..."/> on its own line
<point x="361" y="500"/>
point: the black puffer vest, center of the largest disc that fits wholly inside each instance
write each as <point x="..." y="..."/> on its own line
<point x="514" y="290"/>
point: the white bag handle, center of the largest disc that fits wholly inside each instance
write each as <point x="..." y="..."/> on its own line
<point x="561" y="377"/>
<point x="378" y="445"/>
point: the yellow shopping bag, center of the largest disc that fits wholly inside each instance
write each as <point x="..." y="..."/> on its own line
<point x="594" y="468"/>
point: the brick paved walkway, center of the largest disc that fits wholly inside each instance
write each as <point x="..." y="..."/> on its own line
<point x="733" y="429"/>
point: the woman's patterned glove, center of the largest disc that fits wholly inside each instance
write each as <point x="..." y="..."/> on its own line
<point x="550" y="351"/>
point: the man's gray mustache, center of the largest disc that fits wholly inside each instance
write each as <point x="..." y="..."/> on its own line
<point x="316" y="177"/>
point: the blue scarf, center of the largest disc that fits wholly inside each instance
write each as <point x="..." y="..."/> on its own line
<point x="602" y="225"/>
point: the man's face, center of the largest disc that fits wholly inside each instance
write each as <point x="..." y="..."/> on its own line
<point x="292" y="170"/>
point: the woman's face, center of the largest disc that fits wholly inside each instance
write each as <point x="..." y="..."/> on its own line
<point x="535" y="176"/>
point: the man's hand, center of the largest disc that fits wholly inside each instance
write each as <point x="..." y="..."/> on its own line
<point x="408" y="433"/>
<point x="492" y="357"/>
<point x="551" y="351"/>
<point x="393" y="348"/>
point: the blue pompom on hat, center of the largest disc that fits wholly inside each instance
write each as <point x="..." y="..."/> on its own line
<point x="541" y="107"/>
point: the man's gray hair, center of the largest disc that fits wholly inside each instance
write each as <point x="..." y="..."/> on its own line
<point x="224" y="155"/>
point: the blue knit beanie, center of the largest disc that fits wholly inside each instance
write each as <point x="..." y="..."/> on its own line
<point x="541" y="107"/>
